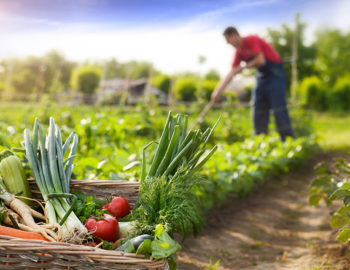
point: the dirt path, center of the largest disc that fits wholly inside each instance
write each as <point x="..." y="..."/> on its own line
<point x="274" y="228"/>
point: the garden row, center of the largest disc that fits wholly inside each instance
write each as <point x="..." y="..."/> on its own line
<point x="181" y="177"/>
<point x="331" y="185"/>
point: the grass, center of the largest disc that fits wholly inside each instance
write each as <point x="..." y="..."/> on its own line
<point x="333" y="131"/>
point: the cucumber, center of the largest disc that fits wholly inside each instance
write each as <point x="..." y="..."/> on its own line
<point x="136" y="241"/>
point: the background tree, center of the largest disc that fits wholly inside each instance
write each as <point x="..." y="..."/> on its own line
<point x="138" y="70"/>
<point x="57" y="73"/>
<point x="281" y="39"/>
<point x="212" y="75"/>
<point x="162" y="82"/>
<point x="333" y="54"/>
<point x="185" y="89"/>
<point x="86" y="79"/>
<point x="113" y="69"/>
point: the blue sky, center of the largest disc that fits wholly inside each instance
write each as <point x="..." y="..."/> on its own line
<point x="134" y="13"/>
<point x="171" y="34"/>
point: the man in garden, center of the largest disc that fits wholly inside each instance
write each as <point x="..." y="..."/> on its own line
<point x="270" y="91"/>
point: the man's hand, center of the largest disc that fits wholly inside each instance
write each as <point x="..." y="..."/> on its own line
<point x="223" y="83"/>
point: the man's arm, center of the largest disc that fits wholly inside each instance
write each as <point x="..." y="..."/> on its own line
<point x="258" y="61"/>
<point x="223" y="83"/>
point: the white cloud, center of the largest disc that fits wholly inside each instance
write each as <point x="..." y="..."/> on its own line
<point x="171" y="49"/>
<point x="326" y="14"/>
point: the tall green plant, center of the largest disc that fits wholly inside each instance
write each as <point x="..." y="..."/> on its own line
<point x="312" y="93"/>
<point x="340" y="95"/>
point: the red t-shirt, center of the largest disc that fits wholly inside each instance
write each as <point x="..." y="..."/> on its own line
<point x="251" y="46"/>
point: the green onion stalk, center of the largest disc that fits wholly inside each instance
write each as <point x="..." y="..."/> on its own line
<point x="168" y="186"/>
<point x="52" y="175"/>
<point x="178" y="148"/>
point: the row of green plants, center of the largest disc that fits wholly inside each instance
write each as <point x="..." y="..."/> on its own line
<point x="332" y="186"/>
<point x="320" y="95"/>
<point x="174" y="193"/>
<point x="110" y="138"/>
<point x="239" y="167"/>
<point x="108" y="152"/>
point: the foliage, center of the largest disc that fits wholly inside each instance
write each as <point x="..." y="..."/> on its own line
<point x="163" y="245"/>
<point x="86" y="79"/>
<point x="30" y="78"/>
<point x="313" y="93"/>
<point x="301" y="122"/>
<point x="333" y="185"/>
<point x="172" y="203"/>
<point x="212" y="75"/>
<point x="213" y="266"/>
<point x="185" y="89"/>
<point x="87" y="206"/>
<point x="282" y="40"/>
<point x="113" y="69"/>
<point x="246" y="94"/>
<point x="236" y="168"/>
<point x="207" y="88"/>
<point x="333" y="54"/>
<point x="137" y="69"/>
<point x="106" y="151"/>
<point x="339" y="99"/>
<point x="162" y="82"/>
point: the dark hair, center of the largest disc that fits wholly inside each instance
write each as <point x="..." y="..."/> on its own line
<point x="231" y="30"/>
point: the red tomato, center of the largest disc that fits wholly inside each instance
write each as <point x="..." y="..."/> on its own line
<point x="107" y="228"/>
<point x="105" y="206"/>
<point x="118" y="207"/>
<point x="118" y="243"/>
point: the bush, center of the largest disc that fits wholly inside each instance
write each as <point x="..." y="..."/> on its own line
<point x="212" y="75"/>
<point x="207" y="88"/>
<point x="185" y="89"/>
<point x="86" y="79"/>
<point x="339" y="99"/>
<point x="246" y="94"/>
<point x="162" y="82"/>
<point x="313" y="94"/>
<point x="301" y="122"/>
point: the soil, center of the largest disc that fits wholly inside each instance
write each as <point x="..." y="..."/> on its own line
<point x="273" y="229"/>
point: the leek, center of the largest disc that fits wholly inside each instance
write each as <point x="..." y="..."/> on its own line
<point x="52" y="175"/>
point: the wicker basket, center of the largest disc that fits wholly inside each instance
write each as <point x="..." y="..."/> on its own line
<point x="18" y="253"/>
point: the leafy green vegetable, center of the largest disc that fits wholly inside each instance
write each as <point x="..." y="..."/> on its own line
<point x="87" y="206"/>
<point x="163" y="246"/>
<point x="2" y="215"/>
<point x="171" y="202"/>
<point x="343" y="235"/>
<point x="129" y="247"/>
<point x="145" y="248"/>
<point x="330" y="185"/>
<point x="172" y="262"/>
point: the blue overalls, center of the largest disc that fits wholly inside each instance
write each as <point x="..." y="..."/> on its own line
<point x="270" y="94"/>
